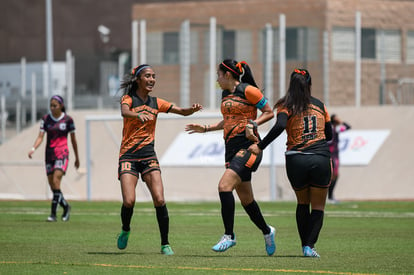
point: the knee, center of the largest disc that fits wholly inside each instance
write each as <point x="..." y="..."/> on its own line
<point x="129" y="203"/>
<point x="159" y="202"/>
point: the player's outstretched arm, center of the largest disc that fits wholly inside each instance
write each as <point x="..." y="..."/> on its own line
<point x="186" y="111"/>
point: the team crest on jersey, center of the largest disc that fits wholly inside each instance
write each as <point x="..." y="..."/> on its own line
<point x="62" y="126"/>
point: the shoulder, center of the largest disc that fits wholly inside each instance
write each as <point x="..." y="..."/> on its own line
<point x="318" y="103"/>
<point x="126" y="99"/>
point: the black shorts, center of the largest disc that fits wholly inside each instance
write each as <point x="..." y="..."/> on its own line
<point x="138" y="166"/>
<point x="304" y="170"/>
<point x="244" y="163"/>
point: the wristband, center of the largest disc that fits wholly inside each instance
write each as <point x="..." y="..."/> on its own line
<point x="254" y="123"/>
<point x="33" y="149"/>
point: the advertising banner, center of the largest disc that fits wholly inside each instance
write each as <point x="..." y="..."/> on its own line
<point x="357" y="147"/>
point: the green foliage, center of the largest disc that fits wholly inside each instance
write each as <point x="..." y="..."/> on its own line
<point x="357" y="237"/>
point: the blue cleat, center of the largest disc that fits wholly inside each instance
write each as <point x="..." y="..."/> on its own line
<point x="225" y="243"/>
<point x="270" y="241"/>
<point x="310" y="252"/>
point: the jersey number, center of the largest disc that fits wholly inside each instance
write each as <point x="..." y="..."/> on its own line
<point x="306" y="120"/>
<point x="125" y="166"/>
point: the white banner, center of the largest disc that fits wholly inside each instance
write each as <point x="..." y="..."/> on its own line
<point x="357" y="147"/>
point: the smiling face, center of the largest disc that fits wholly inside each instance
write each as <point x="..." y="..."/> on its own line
<point x="146" y="80"/>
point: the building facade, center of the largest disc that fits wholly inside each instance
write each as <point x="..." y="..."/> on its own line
<point x="320" y="36"/>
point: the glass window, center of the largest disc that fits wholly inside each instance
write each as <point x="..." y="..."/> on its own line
<point x="170" y="48"/>
<point x="368" y="43"/>
<point x="229" y="44"/>
<point x="292" y="44"/>
<point x="391" y="51"/>
<point x="410" y="47"/>
<point x="343" y="44"/>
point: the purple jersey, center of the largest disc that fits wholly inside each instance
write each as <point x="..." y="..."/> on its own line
<point x="57" y="135"/>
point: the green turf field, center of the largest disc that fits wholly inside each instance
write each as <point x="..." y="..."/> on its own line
<point x="357" y="238"/>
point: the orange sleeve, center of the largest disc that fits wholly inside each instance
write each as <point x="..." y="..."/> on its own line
<point x="253" y="94"/>
<point x="126" y="99"/>
<point x="163" y="105"/>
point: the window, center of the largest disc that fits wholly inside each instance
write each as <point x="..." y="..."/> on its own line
<point x="368" y="43"/>
<point x="391" y="39"/>
<point x="410" y="47"/>
<point x="292" y="43"/>
<point x="302" y="44"/>
<point x="229" y="44"/>
<point x="343" y="44"/>
<point x="170" y="48"/>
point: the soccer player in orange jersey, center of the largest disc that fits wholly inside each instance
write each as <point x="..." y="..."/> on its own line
<point x="137" y="155"/>
<point x="308" y="159"/>
<point x="240" y="101"/>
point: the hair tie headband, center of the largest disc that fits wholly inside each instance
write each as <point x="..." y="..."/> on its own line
<point x="136" y="71"/>
<point x="58" y="98"/>
<point x="230" y="68"/>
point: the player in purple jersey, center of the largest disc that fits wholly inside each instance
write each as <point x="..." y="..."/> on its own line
<point x="57" y="124"/>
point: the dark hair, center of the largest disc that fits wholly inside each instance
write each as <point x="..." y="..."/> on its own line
<point x="129" y="83"/>
<point x="59" y="99"/>
<point x="298" y="95"/>
<point x="239" y="70"/>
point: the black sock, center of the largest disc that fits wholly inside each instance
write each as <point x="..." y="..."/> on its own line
<point x="303" y="221"/>
<point x="253" y="210"/>
<point x="316" y="221"/>
<point x="163" y="223"/>
<point x="227" y="212"/>
<point x="62" y="201"/>
<point x="126" y="216"/>
<point x="55" y="202"/>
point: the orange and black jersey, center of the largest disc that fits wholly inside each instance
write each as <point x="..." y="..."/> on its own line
<point x="307" y="132"/>
<point x="137" y="136"/>
<point x="237" y="109"/>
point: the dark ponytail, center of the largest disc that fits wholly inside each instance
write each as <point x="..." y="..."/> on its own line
<point x="239" y="70"/>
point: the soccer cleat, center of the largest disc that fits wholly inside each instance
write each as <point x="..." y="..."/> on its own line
<point x="270" y="241"/>
<point x="225" y="243"/>
<point x="123" y="239"/>
<point x="166" y="250"/>
<point x="310" y="252"/>
<point x="51" y="218"/>
<point x="66" y="213"/>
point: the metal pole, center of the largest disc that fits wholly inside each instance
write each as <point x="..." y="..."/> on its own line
<point x="88" y="161"/>
<point x="282" y="55"/>
<point x="143" y="41"/>
<point x="134" y="49"/>
<point x="358" y="59"/>
<point x="383" y="71"/>
<point x="185" y="63"/>
<point x="69" y="83"/>
<point x="49" y="45"/>
<point x="23" y="80"/>
<point x="326" y="67"/>
<point x="3" y="117"/>
<point x="34" y="99"/>
<point x="269" y="94"/>
<point x="212" y="68"/>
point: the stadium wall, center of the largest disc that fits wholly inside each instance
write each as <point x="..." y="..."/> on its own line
<point x="388" y="176"/>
